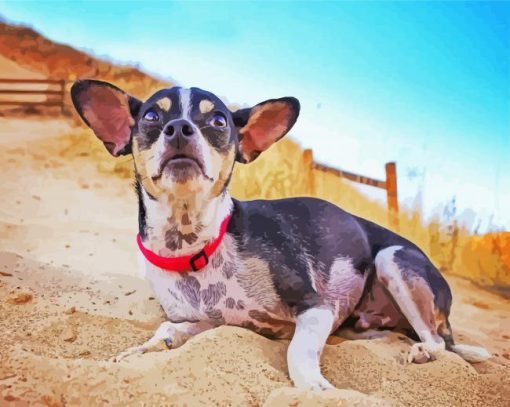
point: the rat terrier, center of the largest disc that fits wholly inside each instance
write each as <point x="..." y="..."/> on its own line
<point x="295" y="268"/>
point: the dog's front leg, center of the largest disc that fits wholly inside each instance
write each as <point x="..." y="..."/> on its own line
<point x="169" y="335"/>
<point x="303" y="356"/>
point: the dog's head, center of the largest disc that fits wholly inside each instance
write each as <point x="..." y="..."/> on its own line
<point x="183" y="141"/>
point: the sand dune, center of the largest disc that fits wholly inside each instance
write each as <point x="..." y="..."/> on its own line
<point x="70" y="299"/>
<point x="61" y="326"/>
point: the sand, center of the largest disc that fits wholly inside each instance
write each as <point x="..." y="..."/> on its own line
<point x="70" y="298"/>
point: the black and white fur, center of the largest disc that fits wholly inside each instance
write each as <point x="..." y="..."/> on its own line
<point x="297" y="268"/>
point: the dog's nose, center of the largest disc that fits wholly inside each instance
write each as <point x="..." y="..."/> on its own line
<point x="178" y="133"/>
<point x="179" y="127"/>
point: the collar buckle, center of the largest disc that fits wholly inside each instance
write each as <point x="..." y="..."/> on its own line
<point x="199" y="260"/>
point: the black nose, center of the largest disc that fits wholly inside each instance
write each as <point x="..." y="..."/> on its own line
<point x="179" y="127"/>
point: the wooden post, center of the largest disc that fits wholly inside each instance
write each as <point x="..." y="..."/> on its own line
<point x="62" y="95"/>
<point x="308" y="176"/>
<point x="391" y="191"/>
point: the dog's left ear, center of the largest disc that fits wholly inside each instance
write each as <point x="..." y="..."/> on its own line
<point x="264" y="124"/>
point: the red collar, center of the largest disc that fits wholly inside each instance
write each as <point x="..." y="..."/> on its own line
<point x="185" y="263"/>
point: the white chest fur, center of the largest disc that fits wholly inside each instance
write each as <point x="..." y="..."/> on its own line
<point x="229" y="290"/>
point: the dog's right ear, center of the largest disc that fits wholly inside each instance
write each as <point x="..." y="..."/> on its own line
<point x="108" y="111"/>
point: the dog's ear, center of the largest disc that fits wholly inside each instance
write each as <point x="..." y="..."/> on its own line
<point x="264" y="124"/>
<point x="108" y="111"/>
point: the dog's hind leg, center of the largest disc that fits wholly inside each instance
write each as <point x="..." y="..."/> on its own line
<point x="424" y="298"/>
<point x="406" y="279"/>
<point x="303" y="356"/>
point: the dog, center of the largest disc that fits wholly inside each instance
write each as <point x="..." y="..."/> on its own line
<point x="296" y="268"/>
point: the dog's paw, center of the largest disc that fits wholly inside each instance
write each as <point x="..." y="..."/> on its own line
<point x="420" y="354"/>
<point x="131" y="351"/>
<point x="316" y="384"/>
<point x="156" y="344"/>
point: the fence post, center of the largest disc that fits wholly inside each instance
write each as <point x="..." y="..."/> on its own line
<point x="308" y="175"/>
<point x="62" y="95"/>
<point x="391" y="191"/>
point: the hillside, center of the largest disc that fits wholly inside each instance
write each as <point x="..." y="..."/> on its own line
<point x="32" y="51"/>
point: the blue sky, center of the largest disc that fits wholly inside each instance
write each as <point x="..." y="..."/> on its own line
<point x="426" y="84"/>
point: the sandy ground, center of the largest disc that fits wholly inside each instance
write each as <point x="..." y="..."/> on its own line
<point x="70" y="299"/>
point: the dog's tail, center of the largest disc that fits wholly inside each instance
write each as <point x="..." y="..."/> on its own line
<point x="471" y="354"/>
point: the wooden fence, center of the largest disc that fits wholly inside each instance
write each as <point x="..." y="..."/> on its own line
<point x="390" y="184"/>
<point x="21" y="92"/>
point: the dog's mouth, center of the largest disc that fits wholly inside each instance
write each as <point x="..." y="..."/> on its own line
<point x="178" y="163"/>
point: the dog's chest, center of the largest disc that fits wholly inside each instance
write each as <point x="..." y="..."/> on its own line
<point x="229" y="290"/>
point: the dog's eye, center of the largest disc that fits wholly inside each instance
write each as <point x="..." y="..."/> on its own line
<point x="151" y="116"/>
<point x="218" y="120"/>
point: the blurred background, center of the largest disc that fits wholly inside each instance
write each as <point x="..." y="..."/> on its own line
<point x="424" y="85"/>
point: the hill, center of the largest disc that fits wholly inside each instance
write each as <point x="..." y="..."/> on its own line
<point x="32" y="51"/>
